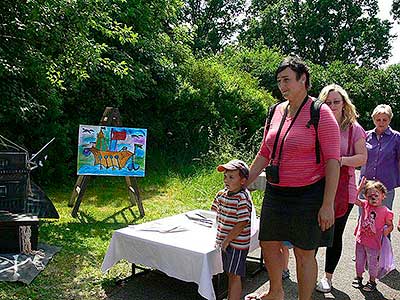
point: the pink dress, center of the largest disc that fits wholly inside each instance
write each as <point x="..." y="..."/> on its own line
<point x="370" y="225"/>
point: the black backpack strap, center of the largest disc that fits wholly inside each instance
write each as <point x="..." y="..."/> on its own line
<point x="315" y="108"/>
<point x="271" y="112"/>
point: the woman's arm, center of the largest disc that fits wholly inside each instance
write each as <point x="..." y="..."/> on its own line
<point x="360" y="156"/>
<point x="326" y="214"/>
<point x="258" y="164"/>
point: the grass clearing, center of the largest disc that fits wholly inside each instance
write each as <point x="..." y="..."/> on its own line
<point x="74" y="272"/>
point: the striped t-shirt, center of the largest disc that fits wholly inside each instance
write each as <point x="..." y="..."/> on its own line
<point x="231" y="209"/>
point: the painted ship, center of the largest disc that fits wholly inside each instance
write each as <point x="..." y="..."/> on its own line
<point x="106" y="154"/>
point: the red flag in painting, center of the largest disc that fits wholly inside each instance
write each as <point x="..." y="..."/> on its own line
<point x="118" y="135"/>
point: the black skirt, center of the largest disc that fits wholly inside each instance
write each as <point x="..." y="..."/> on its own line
<point x="291" y="214"/>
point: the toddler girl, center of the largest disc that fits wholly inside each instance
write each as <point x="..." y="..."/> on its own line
<point x="375" y="220"/>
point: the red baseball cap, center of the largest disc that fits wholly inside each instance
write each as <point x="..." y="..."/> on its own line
<point x="235" y="164"/>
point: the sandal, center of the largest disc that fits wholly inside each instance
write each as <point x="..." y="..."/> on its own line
<point x="370" y="286"/>
<point x="254" y="296"/>
<point x="357" y="283"/>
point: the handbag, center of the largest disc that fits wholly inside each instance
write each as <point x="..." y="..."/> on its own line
<point x="386" y="259"/>
<point x="342" y="192"/>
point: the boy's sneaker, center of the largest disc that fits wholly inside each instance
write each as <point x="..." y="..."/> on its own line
<point x="324" y="285"/>
<point x="285" y="274"/>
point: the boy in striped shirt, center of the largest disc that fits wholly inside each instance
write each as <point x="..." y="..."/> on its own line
<point x="233" y="206"/>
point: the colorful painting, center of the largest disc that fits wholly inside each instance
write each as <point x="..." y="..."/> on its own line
<point x="111" y="151"/>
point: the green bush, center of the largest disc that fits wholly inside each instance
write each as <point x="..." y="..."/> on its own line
<point x="216" y="106"/>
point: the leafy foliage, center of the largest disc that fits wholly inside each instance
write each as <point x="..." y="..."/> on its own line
<point x="223" y="102"/>
<point x="62" y="62"/>
<point x="48" y="48"/>
<point x="213" y="22"/>
<point x="321" y="31"/>
<point x="396" y="10"/>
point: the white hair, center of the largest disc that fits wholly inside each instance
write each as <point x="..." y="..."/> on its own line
<point x="382" y="109"/>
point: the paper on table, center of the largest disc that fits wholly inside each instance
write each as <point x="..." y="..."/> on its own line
<point x="162" y="228"/>
<point x="200" y="217"/>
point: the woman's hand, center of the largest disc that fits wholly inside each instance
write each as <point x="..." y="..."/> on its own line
<point x="326" y="217"/>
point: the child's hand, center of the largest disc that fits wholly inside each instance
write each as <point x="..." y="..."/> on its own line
<point x="224" y="245"/>
<point x="362" y="184"/>
<point x="386" y="231"/>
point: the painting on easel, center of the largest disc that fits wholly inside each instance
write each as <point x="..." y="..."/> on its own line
<point x="111" y="151"/>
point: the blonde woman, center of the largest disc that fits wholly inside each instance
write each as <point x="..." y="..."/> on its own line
<point x="353" y="153"/>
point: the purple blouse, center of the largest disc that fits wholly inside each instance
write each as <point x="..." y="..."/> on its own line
<point x="383" y="158"/>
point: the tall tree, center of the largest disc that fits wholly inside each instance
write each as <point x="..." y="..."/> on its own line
<point x="62" y="62"/>
<point x="396" y="10"/>
<point x="213" y="22"/>
<point x="321" y="30"/>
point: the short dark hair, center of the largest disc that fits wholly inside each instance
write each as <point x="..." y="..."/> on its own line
<point x="298" y="66"/>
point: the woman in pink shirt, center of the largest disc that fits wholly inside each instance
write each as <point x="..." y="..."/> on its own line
<point x="300" y="190"/>
<point x="353" y="153"/>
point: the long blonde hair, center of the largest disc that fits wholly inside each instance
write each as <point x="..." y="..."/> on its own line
<point x="349" y="115"/>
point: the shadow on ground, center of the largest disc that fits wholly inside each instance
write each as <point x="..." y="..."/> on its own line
<point x="157" y="285"/>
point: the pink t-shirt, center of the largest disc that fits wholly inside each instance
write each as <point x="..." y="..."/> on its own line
<point x="298" y="165"/>
<point x="371" y="223"/>
<point x="358" y="133"/>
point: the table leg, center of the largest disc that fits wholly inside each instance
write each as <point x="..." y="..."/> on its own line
<point x="260" y="262"/>
<point x="136" y="267"/>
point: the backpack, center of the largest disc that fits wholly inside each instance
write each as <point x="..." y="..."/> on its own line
<point x="315" y="108"/>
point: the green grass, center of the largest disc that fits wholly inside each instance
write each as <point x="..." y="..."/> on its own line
<point x="74" y="272"/>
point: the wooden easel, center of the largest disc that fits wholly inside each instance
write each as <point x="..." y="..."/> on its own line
<point x="111" y="117"/>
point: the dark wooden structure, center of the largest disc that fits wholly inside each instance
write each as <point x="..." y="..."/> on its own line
<point x="18" y="232"/>
<point x="111" y="117"/>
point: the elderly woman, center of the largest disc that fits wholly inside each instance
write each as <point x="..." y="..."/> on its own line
<point x="300" y="189"/>
<point x="353" y="153"/>
<point x="383" y="145"/>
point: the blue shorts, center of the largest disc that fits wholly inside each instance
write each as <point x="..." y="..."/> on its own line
<point x="234" y="261"/>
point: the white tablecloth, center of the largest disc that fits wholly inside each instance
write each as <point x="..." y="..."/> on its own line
<point x="186" y="252"/>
